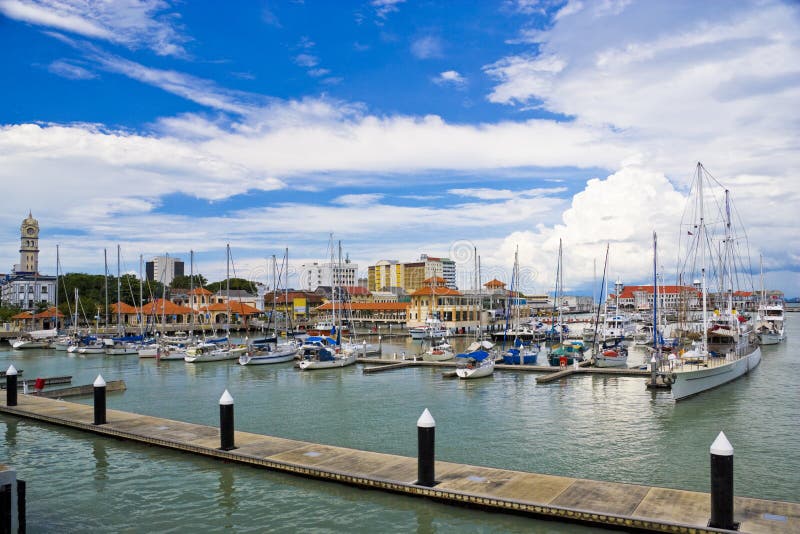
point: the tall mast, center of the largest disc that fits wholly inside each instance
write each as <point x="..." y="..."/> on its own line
<point x="274" y="294"/>
<point x="228" y="289"/>
<point x="286" y="292"/>
<point x="656" y="341"/>
<point x="164" y="293"/>
<point x="58" y="265"/>
<point x="141" y="298"/>
<point x="119" y="296"/>
<point x="729" y="266"/>
<point x="105" y="311"/>
<point x="192" y="296"/>
<point x="75" y="320"/>
<point x="702" y="238"/>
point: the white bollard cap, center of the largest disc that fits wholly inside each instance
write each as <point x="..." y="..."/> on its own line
<point x="12" y="371"/>
<point x="426" y="420"/>
<point x="721" y="446"/>
<point x="653" y="359"/>
<point x="99" y="382"/>
<point x="226" y="399"/>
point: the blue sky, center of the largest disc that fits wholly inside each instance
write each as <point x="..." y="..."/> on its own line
<point x="403" y="127"/>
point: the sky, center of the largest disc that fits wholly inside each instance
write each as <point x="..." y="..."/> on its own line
<point x="401" y="127"/>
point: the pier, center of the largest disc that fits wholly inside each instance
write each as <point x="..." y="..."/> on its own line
<point x="589" y="502"/>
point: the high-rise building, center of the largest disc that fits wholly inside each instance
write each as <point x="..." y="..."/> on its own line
<point x="313" y="275"/>
<point x="388" y="274"/>
<point x="25" y="287"/>
<point x="163" y="269"/>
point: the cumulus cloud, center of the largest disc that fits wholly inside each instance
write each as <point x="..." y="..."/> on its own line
<point x="450" y="77"/>
<point x="384" y="7"/>
<point x="132" y="23"/>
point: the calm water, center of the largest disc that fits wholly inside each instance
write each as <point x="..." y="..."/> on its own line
<point x="593" y="427"/>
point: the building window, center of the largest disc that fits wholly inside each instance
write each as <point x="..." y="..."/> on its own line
<point x="44" y="290"/>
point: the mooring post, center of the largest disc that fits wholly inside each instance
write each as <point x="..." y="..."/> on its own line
<point x="653" y="370"/>
<point x="11" y="386"/>
<point x="99" y="400"/>
<point x="722" y="484"/>
<point x="226" y="422"/>
<point x="426" y="434"/>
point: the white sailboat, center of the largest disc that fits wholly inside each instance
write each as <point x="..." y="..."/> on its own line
<point x="326" y="357"/>
<point x="728" y="347"/>
<point x="608" y="351"/>
<point x="268" y="353"/>
<point x="479" y="364"/>
<point x="523" y="351"/>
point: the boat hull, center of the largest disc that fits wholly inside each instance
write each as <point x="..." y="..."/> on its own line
<point x="770" y="339"/>
<point x="483" y="370"/>
<point x="268" y="358"/>
<point x="610" y="361"/>
<point x="527" y="359"/>
<point x="26" y="344"/>
<point x="339" y="361"/>
<point x="687" y="383"/>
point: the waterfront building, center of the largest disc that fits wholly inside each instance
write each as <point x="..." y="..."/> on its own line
<point x="362" y="313"/>
<point x="313" y="275"/>
<point x="44" y="320"/>
<point x="457" y="310"/>
<point x="163" y="269"/>
<point x="386" y="275"/>
<point x="25" y="287"/>
<point x="671" y="298"/>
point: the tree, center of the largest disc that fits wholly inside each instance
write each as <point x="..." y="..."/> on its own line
<point x="185" y="282"/>
<point x="7" y="312"/>
<point x="235" y="283"/>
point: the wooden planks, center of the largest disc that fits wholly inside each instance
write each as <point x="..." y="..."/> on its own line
<point x="578" y="500"/>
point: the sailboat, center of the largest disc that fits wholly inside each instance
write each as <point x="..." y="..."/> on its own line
<point x="215" y="352"/>
<point x="728" y="347"/>
<point x="523" y="351"/>
<point x="608" y="352"/>
<point x="324" y="356"/>
<point x="564" y="352"/>
<point x="770" y="325"/>
<point x="266" y="353"/>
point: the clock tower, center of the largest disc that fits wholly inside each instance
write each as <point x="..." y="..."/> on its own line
<point x="29" y="246"/>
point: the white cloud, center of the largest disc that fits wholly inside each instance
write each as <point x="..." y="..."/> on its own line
<point x="132" y="23"/>
<point x="497" y="194"/>
<point x="427" y="47"/>
<point x="306" y="60"/>
<point x="450" y="77"/>
<point x="67" y="69"/>
<point x="384" y="7"/>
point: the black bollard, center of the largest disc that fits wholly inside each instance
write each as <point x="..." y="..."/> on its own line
<point x="226" y="422"/>
<point x="11" y="386"/>
<point x="99" y="400"/>
<point x="722" y="484"/>
<point x="426" y="434"/>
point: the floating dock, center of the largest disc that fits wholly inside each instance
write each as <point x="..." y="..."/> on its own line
<point x="590" y="502"/>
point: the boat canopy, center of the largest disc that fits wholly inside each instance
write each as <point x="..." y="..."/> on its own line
<point x="478" y="355"/>
<point x="321" y="339"/>
<point x="127" y="339"/>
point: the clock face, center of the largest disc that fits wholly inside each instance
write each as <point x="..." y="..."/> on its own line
<point x="30" y="230"/>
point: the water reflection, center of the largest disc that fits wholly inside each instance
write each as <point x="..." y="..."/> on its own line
<point x="226" y="499"/>
<point x="100" y="462"/>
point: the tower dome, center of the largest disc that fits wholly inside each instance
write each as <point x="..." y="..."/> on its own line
<point x="30" y="221"/>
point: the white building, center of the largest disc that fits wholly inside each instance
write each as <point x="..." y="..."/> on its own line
<point x="164" y="269"/>
<point x="313" y="275"/>
<point x="25" y="287"/>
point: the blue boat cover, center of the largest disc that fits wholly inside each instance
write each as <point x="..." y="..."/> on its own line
<point x="478" y="355"/>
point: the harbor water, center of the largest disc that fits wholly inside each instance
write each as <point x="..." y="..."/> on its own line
<point x="598" y="427"/>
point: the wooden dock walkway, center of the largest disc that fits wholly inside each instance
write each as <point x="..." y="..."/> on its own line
<point x="608" y="504"/>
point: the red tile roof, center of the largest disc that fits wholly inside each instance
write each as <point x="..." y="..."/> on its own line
<point x="200" y="291"/>
<point x="495" y="283"/>
<point x="234" y="306"/>
<point x="23" y="315"/>
<point x="159" y="306"/>
<point x="376" y="306"/>
<point x="48" y="313"/>
<point x="439" y="291"/>
<point x="127" y="309"/>
<point x="628" y="291"/>
<point x="357" y="290"/>
<point x="437" y="280"/>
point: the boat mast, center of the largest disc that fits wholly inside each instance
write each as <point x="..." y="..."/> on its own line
<point x="119" y="297"/>
<point x="656" y="341"/>
<point x="141" y="299"/>
<point x="274" y="295"/>
<point x="192" y="296"/>
<point x="702" y="238"/>
<point x="164" y="294"/>
<point x="75" y="320"/>
<point x="227" y="290"/>
<point x="58" y="264"/>
<point x="286" y="293"/>
<point x="105" y="311"/>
